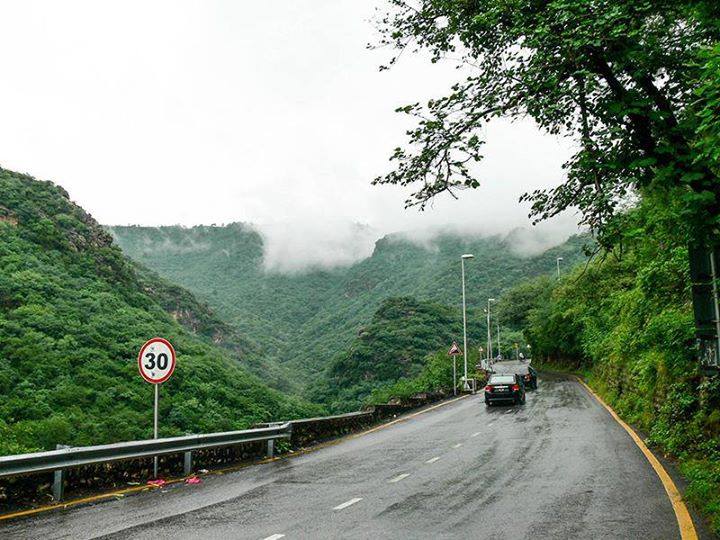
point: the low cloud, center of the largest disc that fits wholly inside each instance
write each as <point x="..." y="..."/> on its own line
<point x="308" y="245"/>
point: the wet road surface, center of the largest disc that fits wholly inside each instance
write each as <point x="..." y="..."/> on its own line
<point x="557" y="467"/>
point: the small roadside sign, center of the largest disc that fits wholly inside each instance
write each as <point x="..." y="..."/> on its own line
<point x="454" y="350"/>
<point x="156" y="361"/>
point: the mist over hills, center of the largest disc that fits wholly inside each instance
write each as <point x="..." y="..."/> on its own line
<point x="74" y="310"/>
<point x="303" y="319"/>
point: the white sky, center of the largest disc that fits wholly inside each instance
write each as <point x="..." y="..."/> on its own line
<point x="270" y="112"/>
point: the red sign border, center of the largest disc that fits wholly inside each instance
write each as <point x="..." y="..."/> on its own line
<point x="172" y="355"/>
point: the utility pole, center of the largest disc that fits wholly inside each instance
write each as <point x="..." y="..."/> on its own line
<point x="462" y="267"/>
<point x="558" y="266"/>
<point x="497" y="322"/>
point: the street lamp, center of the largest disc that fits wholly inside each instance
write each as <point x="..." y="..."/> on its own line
<point x="489" y="331"/>
<point x="462" y="266"/>
<point x="558" y="266"/>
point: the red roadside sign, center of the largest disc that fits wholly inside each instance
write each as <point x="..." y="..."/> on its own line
<point x="454" y="350"/>
<point x="156" y="361"/>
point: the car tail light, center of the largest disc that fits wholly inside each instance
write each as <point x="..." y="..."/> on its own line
<point x="515" y="387"/>
<point x="488" y="388"/>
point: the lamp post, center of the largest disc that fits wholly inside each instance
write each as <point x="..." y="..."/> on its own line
<point x="489" y="332"/>
<point x="462" y="267"/>
<point x="558" y="266"/>
<point x="497" y="323"/>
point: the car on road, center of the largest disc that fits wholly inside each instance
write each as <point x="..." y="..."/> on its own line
<point x="525" y="371"/>
<point x="505" y="388"/>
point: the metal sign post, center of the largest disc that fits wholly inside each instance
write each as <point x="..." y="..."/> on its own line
<point x="454" y="376"/>
<point x="156" y="363"/>
<point x="155" y="426"/>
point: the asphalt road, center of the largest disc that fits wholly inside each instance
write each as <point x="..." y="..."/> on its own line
<point x="558" y="467"/>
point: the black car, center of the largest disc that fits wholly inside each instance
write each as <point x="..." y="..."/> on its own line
<point x="505" y="388"/>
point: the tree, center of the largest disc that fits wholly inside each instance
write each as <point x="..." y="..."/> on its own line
<point x="619" y="77"/>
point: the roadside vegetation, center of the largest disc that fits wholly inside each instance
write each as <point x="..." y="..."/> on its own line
<point x="635" y="86"/>
<point x="625" y="322"/>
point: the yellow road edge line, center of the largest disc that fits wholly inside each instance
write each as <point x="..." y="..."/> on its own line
<point x="233" y="468"/>
<point x="684" y="521"/>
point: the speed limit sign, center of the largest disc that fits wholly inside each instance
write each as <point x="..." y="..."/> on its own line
<point x="156" y="360"/>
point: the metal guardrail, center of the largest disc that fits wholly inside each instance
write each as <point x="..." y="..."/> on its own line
<point x="66" y="458"/>
<point x="357" y="414"/>
<point x="321" y="419"/>
<point x="58" y="461"/>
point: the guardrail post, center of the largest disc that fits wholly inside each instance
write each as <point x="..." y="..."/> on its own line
<point x="59" y="479"/>
<point x="270" y="448"/>
<point x="187" y="461"/>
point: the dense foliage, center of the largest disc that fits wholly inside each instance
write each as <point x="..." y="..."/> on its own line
<point x="627" y="322"/>
<point x="618" y="77"/>
<point x="303" y="321"/>
<point x="73" y="314"/>
<point x="635" y="85"/>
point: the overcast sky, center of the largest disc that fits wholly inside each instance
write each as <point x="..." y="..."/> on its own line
<point x="272" y="112"/>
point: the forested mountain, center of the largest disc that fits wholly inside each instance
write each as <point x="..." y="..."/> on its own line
<point x="392" y="346"/>
<point x="74" y="312"/>
<point x="304" y="320"/>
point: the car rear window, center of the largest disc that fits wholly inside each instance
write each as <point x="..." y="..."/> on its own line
<point x="502" y="379"/>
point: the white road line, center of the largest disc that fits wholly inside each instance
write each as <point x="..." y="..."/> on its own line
<point x="476" y="434"/>
<point x="398" y="478"/>
<point x="458" y="445"/>
<point x="275" y="537"/>
<point x="432" y="460"/>
<point x="348" y="503"/>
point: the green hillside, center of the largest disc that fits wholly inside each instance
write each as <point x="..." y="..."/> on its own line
<point x="392" y="346"/>
<point x="73" y="314"/>
<point x="302" y="321"/>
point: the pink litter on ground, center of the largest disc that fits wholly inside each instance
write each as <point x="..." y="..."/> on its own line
<point x="158" y="482"/>
<point x="193" y="480"/>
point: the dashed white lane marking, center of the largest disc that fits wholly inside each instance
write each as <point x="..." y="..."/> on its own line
<point x="509" y="411"/>
<point x="476" y="434"/>
<point x="275" y="537"/>
<point x="458" y="445"/>
<point x="398" y="478"/>
<point x="348" y="503"/>
<point x="432" y="460"/>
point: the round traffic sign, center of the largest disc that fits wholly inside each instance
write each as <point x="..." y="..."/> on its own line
<point x="156" y="360"/>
